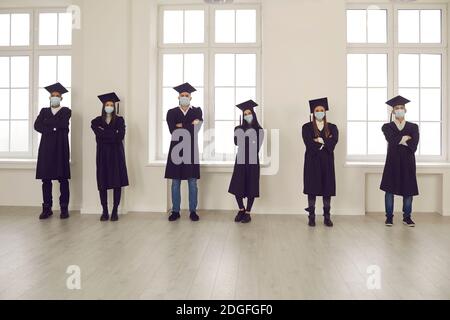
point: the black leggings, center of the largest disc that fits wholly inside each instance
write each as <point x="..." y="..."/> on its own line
<point x="240" y="202"/>
<point x="312" y="201"/>
<point x="117" y="196"/>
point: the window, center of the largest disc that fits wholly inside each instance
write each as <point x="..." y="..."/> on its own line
<point x="395" y="49"/>
<point x="29" y="61"/>
<point x="217" y="50"/>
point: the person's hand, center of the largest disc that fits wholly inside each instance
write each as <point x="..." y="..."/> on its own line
<point x="319" y="140"/>
<point x="408" y="138"/>
<point x="101" y="128"/>
<point x="179" y="125"/>
<point x="195" y="122"/>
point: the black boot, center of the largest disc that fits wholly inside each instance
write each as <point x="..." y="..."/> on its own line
<point x="46" y="212"/>
<point x="105" y="214"/>
<point x="64" y="212"/>
<point x="194" y="216"/>
<point x="327" y="217"/>
<point x="239" y="216"/>
<point x="312" y="216"/>
<point x="114" y="214"/>
<point x="174" y="216"/>
<point x="247" y="218"/>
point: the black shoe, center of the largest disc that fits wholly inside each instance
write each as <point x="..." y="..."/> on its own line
<point x="246" y="218"/>
<point x="114" y="215"/>
<point x="64" y="213"/>
<point x="174" y="216"/>
<point x="194" y="216"/>
<point x="389" y="221"/>
<point x="327" y="222"/>
<point x="408" y="222"/>
<point x="239" y="216"/>
<point x="312" y="221"/>
<point x="105" y="214"/>
<point x="46" y="212"/>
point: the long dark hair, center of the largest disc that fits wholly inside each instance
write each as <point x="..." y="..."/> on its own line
<point x="326" y="127"/>
<point x="113" y="115"/>
<point x="255" y="124"/>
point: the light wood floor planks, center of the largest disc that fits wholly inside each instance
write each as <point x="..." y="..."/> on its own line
<point x="143" y="256"/>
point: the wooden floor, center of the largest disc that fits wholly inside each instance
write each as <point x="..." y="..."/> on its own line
<point x="275" y="257"/>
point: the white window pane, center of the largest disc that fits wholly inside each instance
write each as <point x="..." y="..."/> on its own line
<point x="430" y="138"/>
<point x="20" y="29"/>
<point x="67" y="99"/>
<point x="4" y="136"/>
<point x="166" y="138"/>
<point x="356" y="104"/>
<point x="408" y="68"/>
<point x="4" y="72"/>
<point x="430" y="70"/>
<point x="225" y="104"/>
<point x="4" y="104"/>
<point x="356" y="26"/>
<point x="378" y="110"/>
<point x="65" y="70"/>
<point x="198" y="98"/>
<point x="224" y="70"/>
<point x="430" y="26"/>
<point x="47" y="70"/>
<point x="245" y="94"/>
<point x="44" y="101"/>
<point x="194" y="69"/>
<point x="173" y="26"/>
<point x="356" y="70"/>
<point x="20" y="73"/>
<point x="172" y="70"/>
<point x="246" y="70"/>
<point x="65" y="29"/>
<point x="194" y="26"/>
<point x="377" y="68"/>
<point x="408" y="26"/>
<point x="225" y="26"/>
<point x="356" y="138"/>
<point x="224" y="137"/>
<point x="376" y="142"/>
<point x="19" y="104"/>
<point x="48" y="29"/>
<point x="246" y="26"/>
<point x="377" y="26"/>
<point x="430" y="105"/>
<point x="412" y="107"/>
<point x="5" y="29"/>
<point x="19" y="136"/>
<point x="169" y="101"/>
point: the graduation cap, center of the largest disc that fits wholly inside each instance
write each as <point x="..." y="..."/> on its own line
<point x="57" y="87"/>
<point x="397" y="101"/>
<point x="185" y="87"/>
<point x="322" y="102"/>
<point x="247" y="105"/>
<point x="112" y="96"/>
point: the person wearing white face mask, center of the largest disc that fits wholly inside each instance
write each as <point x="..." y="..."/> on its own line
<point x="319" y="179"/>
<point x="109" y="129"/>
<point x="184" y="120"/>
<point x="54" y="154"/>
<point x="399" y="175"/>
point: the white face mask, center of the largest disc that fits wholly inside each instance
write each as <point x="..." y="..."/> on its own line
<point x="55" y="101"/>
<point x="248" y="118"/>
<point x="400" y="114"/>
<point x="109" y="109"/>
<point x="185" y="101"/>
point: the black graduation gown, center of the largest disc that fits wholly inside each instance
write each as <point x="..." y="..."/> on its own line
<point x="54" y="153"/>
<point x="111" y="165"/>
<point x="399" y="175"/>
<point x="319" y="177"/>
<point x="245" y="179"/>
<point x="184" y="171"/>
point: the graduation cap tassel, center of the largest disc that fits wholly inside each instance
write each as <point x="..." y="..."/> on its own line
<point x="118" y="108"/>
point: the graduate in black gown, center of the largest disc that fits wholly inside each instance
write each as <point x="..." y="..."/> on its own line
<point x="109" y="129"/>
<point x="320" y="137"/>
<point x="53" y="161"/>
<point x="183" y="161"/>
<point x="249" y="137"/>
<point x="399" y="175"/>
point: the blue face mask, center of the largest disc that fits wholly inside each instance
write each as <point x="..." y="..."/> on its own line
<point x="55" y="101"/>
<point x="400" y="114"/>
<point x="248" y="118"/>
<point x="185" y="101"/>
<point x="109" y="110"/>
<point x="319" y="115"/>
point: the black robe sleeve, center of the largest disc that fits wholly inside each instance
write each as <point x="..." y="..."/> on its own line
<point x="308" y="137"/>
<point x="101" y="133"/>
<point x="39" y="125"/>
<point x="332" y="140"/>
<point x="171" y="121"/>
<point x="60" y="121"/>
<point x="415" y="136"/>
<point x="120" y="129"/>
<point x="391" y="136"/>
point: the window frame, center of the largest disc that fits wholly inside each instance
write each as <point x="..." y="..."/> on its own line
<point x="209" y="48"/>
<point x="393" y="50"/>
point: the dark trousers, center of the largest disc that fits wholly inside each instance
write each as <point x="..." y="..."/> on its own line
<point x="240" y="202"/>
<point x="326" y="204"/>
<point x="47" y="187"/>
<point x="389" y="205"/>
<point x="104" y="197"/>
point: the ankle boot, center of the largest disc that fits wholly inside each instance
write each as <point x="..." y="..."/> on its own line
<point x="105" y="214"/>
<point x="312" y="216"/>
<point x="327" y="217"/>
<point x="114" y="214"/>
<point x="64" y="211"/>
<point x="46" y="212"/>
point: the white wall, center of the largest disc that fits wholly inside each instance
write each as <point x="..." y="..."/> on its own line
<point x="304" y="54"/>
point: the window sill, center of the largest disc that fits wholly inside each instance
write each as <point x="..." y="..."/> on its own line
<point x="26" y="164"/>
<point x="205" y="166"/>
<point x="380" y="164"/>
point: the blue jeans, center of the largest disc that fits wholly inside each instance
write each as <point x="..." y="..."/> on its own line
<point x="176" y="194"/>
<point x="389" y="204"/>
